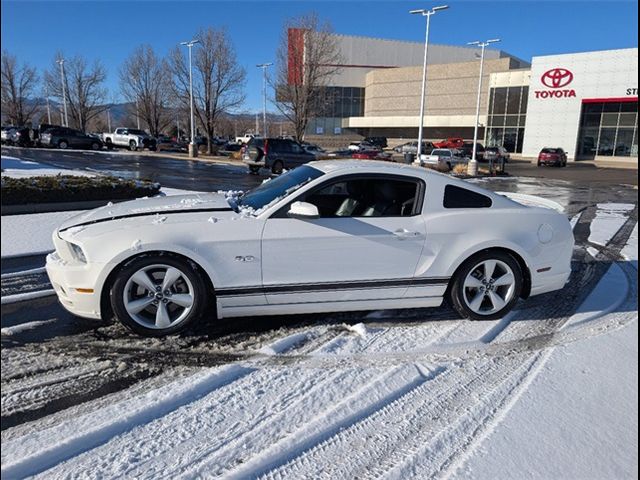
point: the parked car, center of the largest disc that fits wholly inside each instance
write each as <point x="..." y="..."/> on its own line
<point x="244" y="139"/>
<point x="497" y="155"/>
<point x="64" y="137"/>
<point x="466" y="150"/>
<point x="314" y="149"/>
<point x="6" y="133"/>
<point x="552" y="156"/>
<point x="130" y="138"/>
<point x="21" y="136"/>
<point x="371" y="155"/>
<point x="276" y="154"/>
<point x="378" y="141"/>
<point x="454" y="142"/>
<point x="328" y="236"/>
<point x="445" y="158"/>
<point x="412" y="147"/>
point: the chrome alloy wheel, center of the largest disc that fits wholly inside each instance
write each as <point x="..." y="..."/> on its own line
<point x="489" y="286"/>
<point x="158" y="296"/>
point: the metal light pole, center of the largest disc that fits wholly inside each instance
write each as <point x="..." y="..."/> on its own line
<point x="137" y="115"/>
<point x="193" y="151"/>
<point x="472" y="168"/>
<point x="424" y="13"/>
<point x="46" y="89"/>
<point x="264" y="67"/>
<point x="109" y="119"/>
<point x="64" y="91"/>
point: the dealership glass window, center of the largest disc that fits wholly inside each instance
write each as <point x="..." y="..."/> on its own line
<point x="606" y="141"/>
<point x="608" y="129"/>
<point x="500" y="101"/>
<point x="520" y="140"/>
<point x="624" y="142"/>
<point x="513" y="100"/>
<point x="524" y="98"/>
<point x="510" y="139"/>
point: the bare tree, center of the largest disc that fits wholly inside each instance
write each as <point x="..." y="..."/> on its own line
<point x="144" y="79"/>
<point x="218" y="79"/>
<point x="85" y="94"/>
<point x="18" y="84"/>
<point x="307" y="58"/>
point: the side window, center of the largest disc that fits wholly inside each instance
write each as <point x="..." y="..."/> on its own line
<point x="458" y="197"/>
<point x="295" y="148"/>
<point x="366" y="197"/>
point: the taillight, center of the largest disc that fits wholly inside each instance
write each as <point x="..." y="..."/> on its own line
<point x="266" y="147"/>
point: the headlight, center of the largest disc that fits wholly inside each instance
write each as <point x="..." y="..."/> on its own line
<point x="77" y="252"/>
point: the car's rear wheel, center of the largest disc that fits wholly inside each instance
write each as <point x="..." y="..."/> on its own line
<point x="95" y="146"/>
<point x="157" y="295"/>
<point x="278" y="167"/>
<point x="63" y="145"/>
<point x="487" y="286"/>
<point x="133" y="146"/>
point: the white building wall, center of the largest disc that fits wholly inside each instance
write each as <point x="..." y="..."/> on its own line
<point x="554" y="122"/>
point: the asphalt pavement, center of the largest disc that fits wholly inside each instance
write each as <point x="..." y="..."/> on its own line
<point x="169" y="171"/>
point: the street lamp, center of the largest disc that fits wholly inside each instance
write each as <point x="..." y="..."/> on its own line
<point x="264" y="67"/>
<point x="424" y="13"/>
<point x="64" y="92"/>
<point x="193" y="152"/>
<point x="473" y="164"/>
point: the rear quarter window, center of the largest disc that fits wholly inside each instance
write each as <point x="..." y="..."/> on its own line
<point x="458" y="197"/>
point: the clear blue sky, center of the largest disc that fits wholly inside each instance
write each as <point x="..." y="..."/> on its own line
<point x="109" y="31"/>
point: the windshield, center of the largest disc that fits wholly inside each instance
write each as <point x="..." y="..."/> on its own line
<point x="274" y="190"/>
<point x="442" y="153"/>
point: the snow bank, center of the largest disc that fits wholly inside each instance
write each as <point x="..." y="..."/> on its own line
<point x="30" y="234"/>
<point x="19" y="168"/>
<point x="609" y="219"/>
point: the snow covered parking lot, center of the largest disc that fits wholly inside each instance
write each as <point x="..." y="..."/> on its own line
<point x="548" y="392"/>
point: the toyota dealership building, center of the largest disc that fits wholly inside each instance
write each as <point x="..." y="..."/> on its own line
<point x="586" y="103"/>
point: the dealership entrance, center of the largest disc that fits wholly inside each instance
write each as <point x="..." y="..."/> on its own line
<point x="608" y="129"/>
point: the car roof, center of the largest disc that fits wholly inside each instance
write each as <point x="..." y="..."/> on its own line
<point x="370" y="166"/>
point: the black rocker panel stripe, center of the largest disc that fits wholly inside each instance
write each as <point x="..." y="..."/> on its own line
<point x="145" y="214"/>
<point x="319" y="287"/>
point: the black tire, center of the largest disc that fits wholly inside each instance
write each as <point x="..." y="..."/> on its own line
<point x="254" y="170"/>
<point x="133" y="146"/>
<point x="456" y="291"/>
<point x="63" y="144"/>
<point x="109" y="144"/>
<point x="95" y="146"/>
<point x="539" y="164"/>
<point x="277" y="168"/>
<point x="201" y="294"/>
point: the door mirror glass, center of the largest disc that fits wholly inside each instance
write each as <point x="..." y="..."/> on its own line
<point x="303" y="211"/>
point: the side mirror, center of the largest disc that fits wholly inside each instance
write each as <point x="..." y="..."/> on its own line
<point x="303" y="211"/>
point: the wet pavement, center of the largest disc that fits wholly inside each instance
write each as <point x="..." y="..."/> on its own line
<point x="169" y="172"/>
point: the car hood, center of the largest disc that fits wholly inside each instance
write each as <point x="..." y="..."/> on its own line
<point x="207" y="202"/>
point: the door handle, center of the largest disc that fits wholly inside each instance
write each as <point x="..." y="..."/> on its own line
<point x="403" y="233"/>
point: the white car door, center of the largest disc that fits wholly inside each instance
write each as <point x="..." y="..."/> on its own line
<point x="352" y="252"/>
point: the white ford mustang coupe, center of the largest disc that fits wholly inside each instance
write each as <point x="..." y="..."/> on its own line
<point x="327" y="236"/>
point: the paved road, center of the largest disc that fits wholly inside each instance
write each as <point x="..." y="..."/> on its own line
<point x="206" y="176"/>
<point x="170" y="172"/>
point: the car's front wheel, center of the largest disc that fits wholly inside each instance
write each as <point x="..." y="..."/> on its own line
<point x="487" y="286"/>
<point x="63" y="145"/>
<point x="157" y="295"/>
<point x="95" y="146"/>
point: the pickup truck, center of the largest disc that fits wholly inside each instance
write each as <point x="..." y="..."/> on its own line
<point x="130" y="138"/>
<point x="445" y="159"/>
<point x="450" y="143"/>
<point x="246" y="138"/>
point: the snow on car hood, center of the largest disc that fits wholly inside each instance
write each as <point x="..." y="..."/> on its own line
<point x="214" y="202"/>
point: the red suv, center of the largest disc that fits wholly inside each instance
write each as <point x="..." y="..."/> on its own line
<point x="552" y="156"/>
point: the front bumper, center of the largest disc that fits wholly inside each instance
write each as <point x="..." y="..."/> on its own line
<point x="67" y="278"/>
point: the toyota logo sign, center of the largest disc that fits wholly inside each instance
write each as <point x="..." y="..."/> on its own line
<point x="557" y="78"/>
